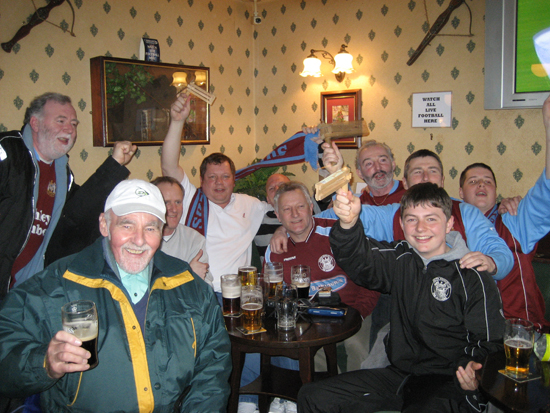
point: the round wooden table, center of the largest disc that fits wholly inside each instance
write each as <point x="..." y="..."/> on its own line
<point x="300" y="344"/>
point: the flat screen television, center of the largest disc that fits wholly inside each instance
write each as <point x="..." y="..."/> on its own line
<point x="514" y="75"/>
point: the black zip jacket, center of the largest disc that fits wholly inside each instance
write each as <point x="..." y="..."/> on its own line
<point x="441" y="316"/>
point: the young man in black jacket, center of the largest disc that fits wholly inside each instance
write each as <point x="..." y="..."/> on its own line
<point x="445" y="319"/>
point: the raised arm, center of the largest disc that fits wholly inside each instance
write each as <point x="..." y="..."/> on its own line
<point x="332" y="158"/>
<point x="171" y="147"/>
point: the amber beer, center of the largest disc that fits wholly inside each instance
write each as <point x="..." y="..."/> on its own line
<point x="251" y="317"/>
<point x="518" y="352"/>
<point x="273" y="284"/>
<point x="249" y="275"/>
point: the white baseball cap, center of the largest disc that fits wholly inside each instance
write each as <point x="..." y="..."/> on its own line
<point x="135" y="195"/>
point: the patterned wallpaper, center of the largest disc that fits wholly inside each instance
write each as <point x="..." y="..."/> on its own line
<point x="254" y="71"/>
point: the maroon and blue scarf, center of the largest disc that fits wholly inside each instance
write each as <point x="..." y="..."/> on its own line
<point x="296" y="149"/>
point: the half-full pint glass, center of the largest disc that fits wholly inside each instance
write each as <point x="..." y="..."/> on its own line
<point x="249" y="275"/>
<point x="287" y="307"/>
<point x="300" y="276"/>
<point x="519" y="335"/>
<point x="273" y="273"/>
<point x="251" y="307"/>
<point x="231" y="295"/>
<point x="79" y="318"/>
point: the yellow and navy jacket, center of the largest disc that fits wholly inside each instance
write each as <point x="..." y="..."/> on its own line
<point x="183" y="348"/>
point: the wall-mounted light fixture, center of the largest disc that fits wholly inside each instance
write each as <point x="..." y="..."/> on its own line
<point x="341" y="62"/>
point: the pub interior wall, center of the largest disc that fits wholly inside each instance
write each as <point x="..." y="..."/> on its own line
<point x="261" y="99"/>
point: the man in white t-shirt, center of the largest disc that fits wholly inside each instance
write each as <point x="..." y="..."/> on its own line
<point x="178" y="240"/>
<point x="228" y="221"/>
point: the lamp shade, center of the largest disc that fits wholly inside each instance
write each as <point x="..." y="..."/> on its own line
<point x="179" y="79"/>
<point x="343" y="63"/>
<point x="312" y="67"/>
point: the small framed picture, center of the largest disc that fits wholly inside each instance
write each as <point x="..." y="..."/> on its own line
<point x="342" y="106"/>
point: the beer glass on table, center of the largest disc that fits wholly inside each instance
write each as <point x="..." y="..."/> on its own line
<point x="300" y="276"/>
<point x="286" y="306"/>
<point x="252" y="305"/>
<point x="79" y="318"/>
<point x="231" y="295"/>
<point x="249" y="275"/>
<point x="273" y="273"/>
<point x="519" y="336"/>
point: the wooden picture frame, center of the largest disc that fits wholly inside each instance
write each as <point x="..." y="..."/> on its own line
<point x="131" y="100"/>
<point x="345" y="105"/>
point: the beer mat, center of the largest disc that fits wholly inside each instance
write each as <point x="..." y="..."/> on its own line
<point x="232" y="315"/>
<point x="247" y="332"/>
<point x="530" y="377"/>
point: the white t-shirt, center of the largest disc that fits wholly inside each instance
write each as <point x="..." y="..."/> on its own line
<point x="185" y="243"/>
<point x="230" y="231"/>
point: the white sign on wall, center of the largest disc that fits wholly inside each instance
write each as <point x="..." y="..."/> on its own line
<point x="431" y="110"/>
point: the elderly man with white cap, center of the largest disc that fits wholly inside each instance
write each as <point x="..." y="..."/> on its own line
<point x="162" y="344"/>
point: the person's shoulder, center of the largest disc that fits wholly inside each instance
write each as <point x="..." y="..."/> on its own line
<point x="324" y="222"/>
<point x="189" y="232"/>
<point x="12" y="141"/>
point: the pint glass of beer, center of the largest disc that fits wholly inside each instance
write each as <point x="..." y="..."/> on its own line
<point x="231" y="295"/>
<point x="252" y="306"/>
<point x="519" y="335"/>
<point x="79" y="318"/>
<point x="249" y="275"/>
<point x="286" y="307"/>
<point x="300" y="276"/>
<point x="273" y="273"/>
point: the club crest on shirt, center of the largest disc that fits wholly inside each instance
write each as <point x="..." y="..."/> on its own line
<point x="326" y="262"/>
<point x="51" y="189"/>
<point x="441" y="289"/>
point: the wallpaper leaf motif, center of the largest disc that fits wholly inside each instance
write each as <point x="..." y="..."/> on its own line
<point x="18" y="103"/>
<point x="454" y="123"/>
<point x="222" y="149"/>
<point x="34" y="76"/>
<point x="411" y="5"/>
<point x="283" y="9"/>
<point x="304" y="86"/>
<point x="283" y="89"/>
<point x="265" y="129"/>
<point x="49" y="50"/>
<point x="470" y="97"/>
<point x="169" y="41"/>
<point x="220" y="28"/>
<point x="469" y="148"/>
<point x="501" y="148"/>
<point x="359" y="59"/>
<point x="372" y="35"/>
<point x="425" y="27"/>
<point x="397" y="78"/>
<point x="81" y="105"/>
<point x="230" y="90"/>
<point x="519" y="121"/>
<point x="157" y="16"/>
<point x="211" y="47"/>
<point x="256" y="110"/>
<point x="372" y="80"/>
<point x="325" y="84"/>
<point x="293" y="108"/>
<point x="372" y="125"/>
<point x="193" y="169"/>
<point x="384" y="10"/>
<point x="274" y="109"/>
<point x="133" y="12"/>
<point x="485" y="122"/>
<point x="440" y="49"/>
<point x="191" y="44"/>
<point x="240" y="149"/>
<point x="16" y="48"/>
<point x="313" y="23"/>
<point x="454" y="73"/>
<point x="265" y="90"/>
<point x="384" y="102"/>
<point x="293" y="28"/>
<point x="303" y="4"/>
<point x="470" y="46"/>
<point x="107" y="7"/>
<point x="324" y="42"/>
<point x="439" y="148"/>
<point x="425" y="75"/>
<point x="221" y="69"/>
<point x="536" y="148"/>
<point x="518" y="175"/>
<point x="347" y="38"/>
<point x="201" y="25"/>
<point x="359" y="14"/>
<point x="149" y="175"/>
<point x="397" y="31"/>
<point x="284" y="129"/>
<point x="455" y="22"/>
<point x="239" y="110"/>
<point x="66" y="78"/>
<point x="80" y="53"/>
<point x="83" y="155"/>
<point x="248" y="129"/>
<point x="397" y="125"/>
<point x="230" y="50"/>
<point x="384" y="56"/>
<point x="283" y="49"/>
<point x="120" y="34"/>
<point x="453" y="172"/>
<point x="410" y="147"/>
<point x="293" y="68"/>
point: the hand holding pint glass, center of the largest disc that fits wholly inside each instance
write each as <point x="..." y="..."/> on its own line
<point x="519" y="336"/>
<point x="252" y="306"/>
<point x="231" y="295"/>
<point x="79" y="318"/>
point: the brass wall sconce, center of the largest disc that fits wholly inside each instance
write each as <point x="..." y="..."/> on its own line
<point x="341" y="62"/>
